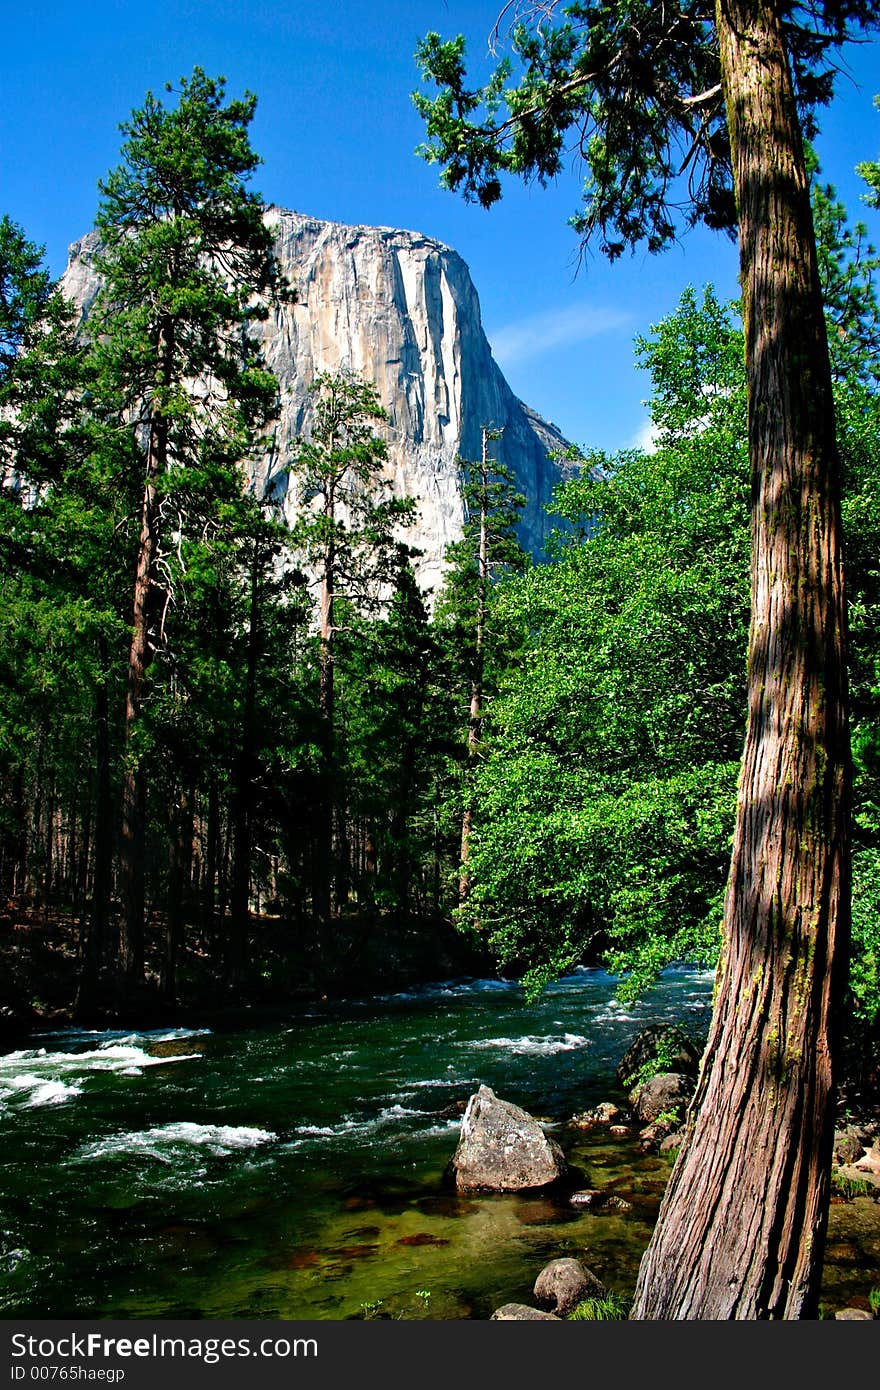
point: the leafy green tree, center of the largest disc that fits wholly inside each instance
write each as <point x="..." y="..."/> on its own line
<point x="710" y="110"/>
<point x="848" y="264"/>
<point x="62" y="549"/>
<point x="186" y="261"/>
<point x="607" y="786"/>
<point x="398" y="721"/>
<point x="42" y="371"/>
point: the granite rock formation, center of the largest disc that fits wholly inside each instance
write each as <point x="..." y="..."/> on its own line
<point x="399" y="309"/>
<point x="501" y="1148"/>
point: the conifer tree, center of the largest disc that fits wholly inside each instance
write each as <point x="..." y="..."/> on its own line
<point x="186" y="260"/>
<point x="346" y="535"/>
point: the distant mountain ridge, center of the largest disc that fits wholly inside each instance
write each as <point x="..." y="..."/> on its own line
<point x="400" y="309"/>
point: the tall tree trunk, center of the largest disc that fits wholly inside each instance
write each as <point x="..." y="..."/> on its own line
<point x="180" y="864"/>
<point x="742" y="1226"/>
<point x="475" y="716"/>
<point x="327" y="710"/>
<point x="131" y="841"/>
<point x="96" y="929"/>
<point x="242" y="798"/>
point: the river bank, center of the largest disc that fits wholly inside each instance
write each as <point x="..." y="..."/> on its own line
<point x="40" y="970"/>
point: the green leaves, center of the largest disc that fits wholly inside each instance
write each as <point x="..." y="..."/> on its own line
<point x="632" y="88"/>
<point x="631" y="91"/>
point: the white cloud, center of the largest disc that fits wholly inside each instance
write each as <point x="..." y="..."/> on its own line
<point x="539" y="333"/>
<point x="645" y="438"/>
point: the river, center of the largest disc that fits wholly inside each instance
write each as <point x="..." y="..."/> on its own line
<point x="294" y="1168"/>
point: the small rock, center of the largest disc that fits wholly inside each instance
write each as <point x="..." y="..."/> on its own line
<point x="853" y="1315"/>
<point x="666" y="1094"/>
<point x="563" y="1284"/>
<point x="582" y="1121"/>
<point x="587" y="1197"/>
<point x="672" y="1141"/>
<point x="651" y="1137"/>
<point x="521" y="1312"/>
<point x="849" y="1144"/>
<point x="605" y="1114"/>
<point x="618" y="1204"/>
<point x="619" y="1131"/>
<point x="595" y="1200"/>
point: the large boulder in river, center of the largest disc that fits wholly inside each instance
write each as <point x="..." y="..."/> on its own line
<point x="502" y="1149"/>
<point x="660" y="1048"/>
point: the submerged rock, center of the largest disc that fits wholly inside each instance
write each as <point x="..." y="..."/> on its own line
<point x="564" y="1283"/>
<point x="595" y="1200"/>
<point x="503" y="1149"/>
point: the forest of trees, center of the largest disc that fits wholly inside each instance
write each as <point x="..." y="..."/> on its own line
<point x="302" y="761"/>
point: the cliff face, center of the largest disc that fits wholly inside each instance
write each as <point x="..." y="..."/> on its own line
<point x="399" y="309"/>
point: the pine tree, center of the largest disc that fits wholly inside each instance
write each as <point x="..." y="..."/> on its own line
<point x="346" y="535"/>
<point x="187" y="264"/>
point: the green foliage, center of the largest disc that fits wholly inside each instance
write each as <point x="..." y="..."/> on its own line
<point x="606" y="793"/>
<point x="607" y="788"/>
<point x="847" y="1187"/>
<point x="611" y="1307"/>
<point x="874" y="1302"/>
<point x="348" y="518"/>
<point x="186" y="262"/>
<point x="634" y="89"/>
<point x="43" y="371"/>
<point x="865" y="963"/>
<point x="665" y="1055"/>
<point x="848" y="263"/>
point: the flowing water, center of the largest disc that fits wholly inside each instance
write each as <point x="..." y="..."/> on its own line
<point x="294" y="1169"/>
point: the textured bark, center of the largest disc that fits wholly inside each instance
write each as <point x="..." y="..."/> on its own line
<point x="742" y="1226"/>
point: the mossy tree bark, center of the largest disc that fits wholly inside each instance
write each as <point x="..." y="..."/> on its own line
<point x="742" y="1226"/>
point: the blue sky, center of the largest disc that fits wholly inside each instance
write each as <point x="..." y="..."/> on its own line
<point x="337" y="133"/>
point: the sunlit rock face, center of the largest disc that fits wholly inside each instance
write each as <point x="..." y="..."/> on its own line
<point x="399" y="309"/>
